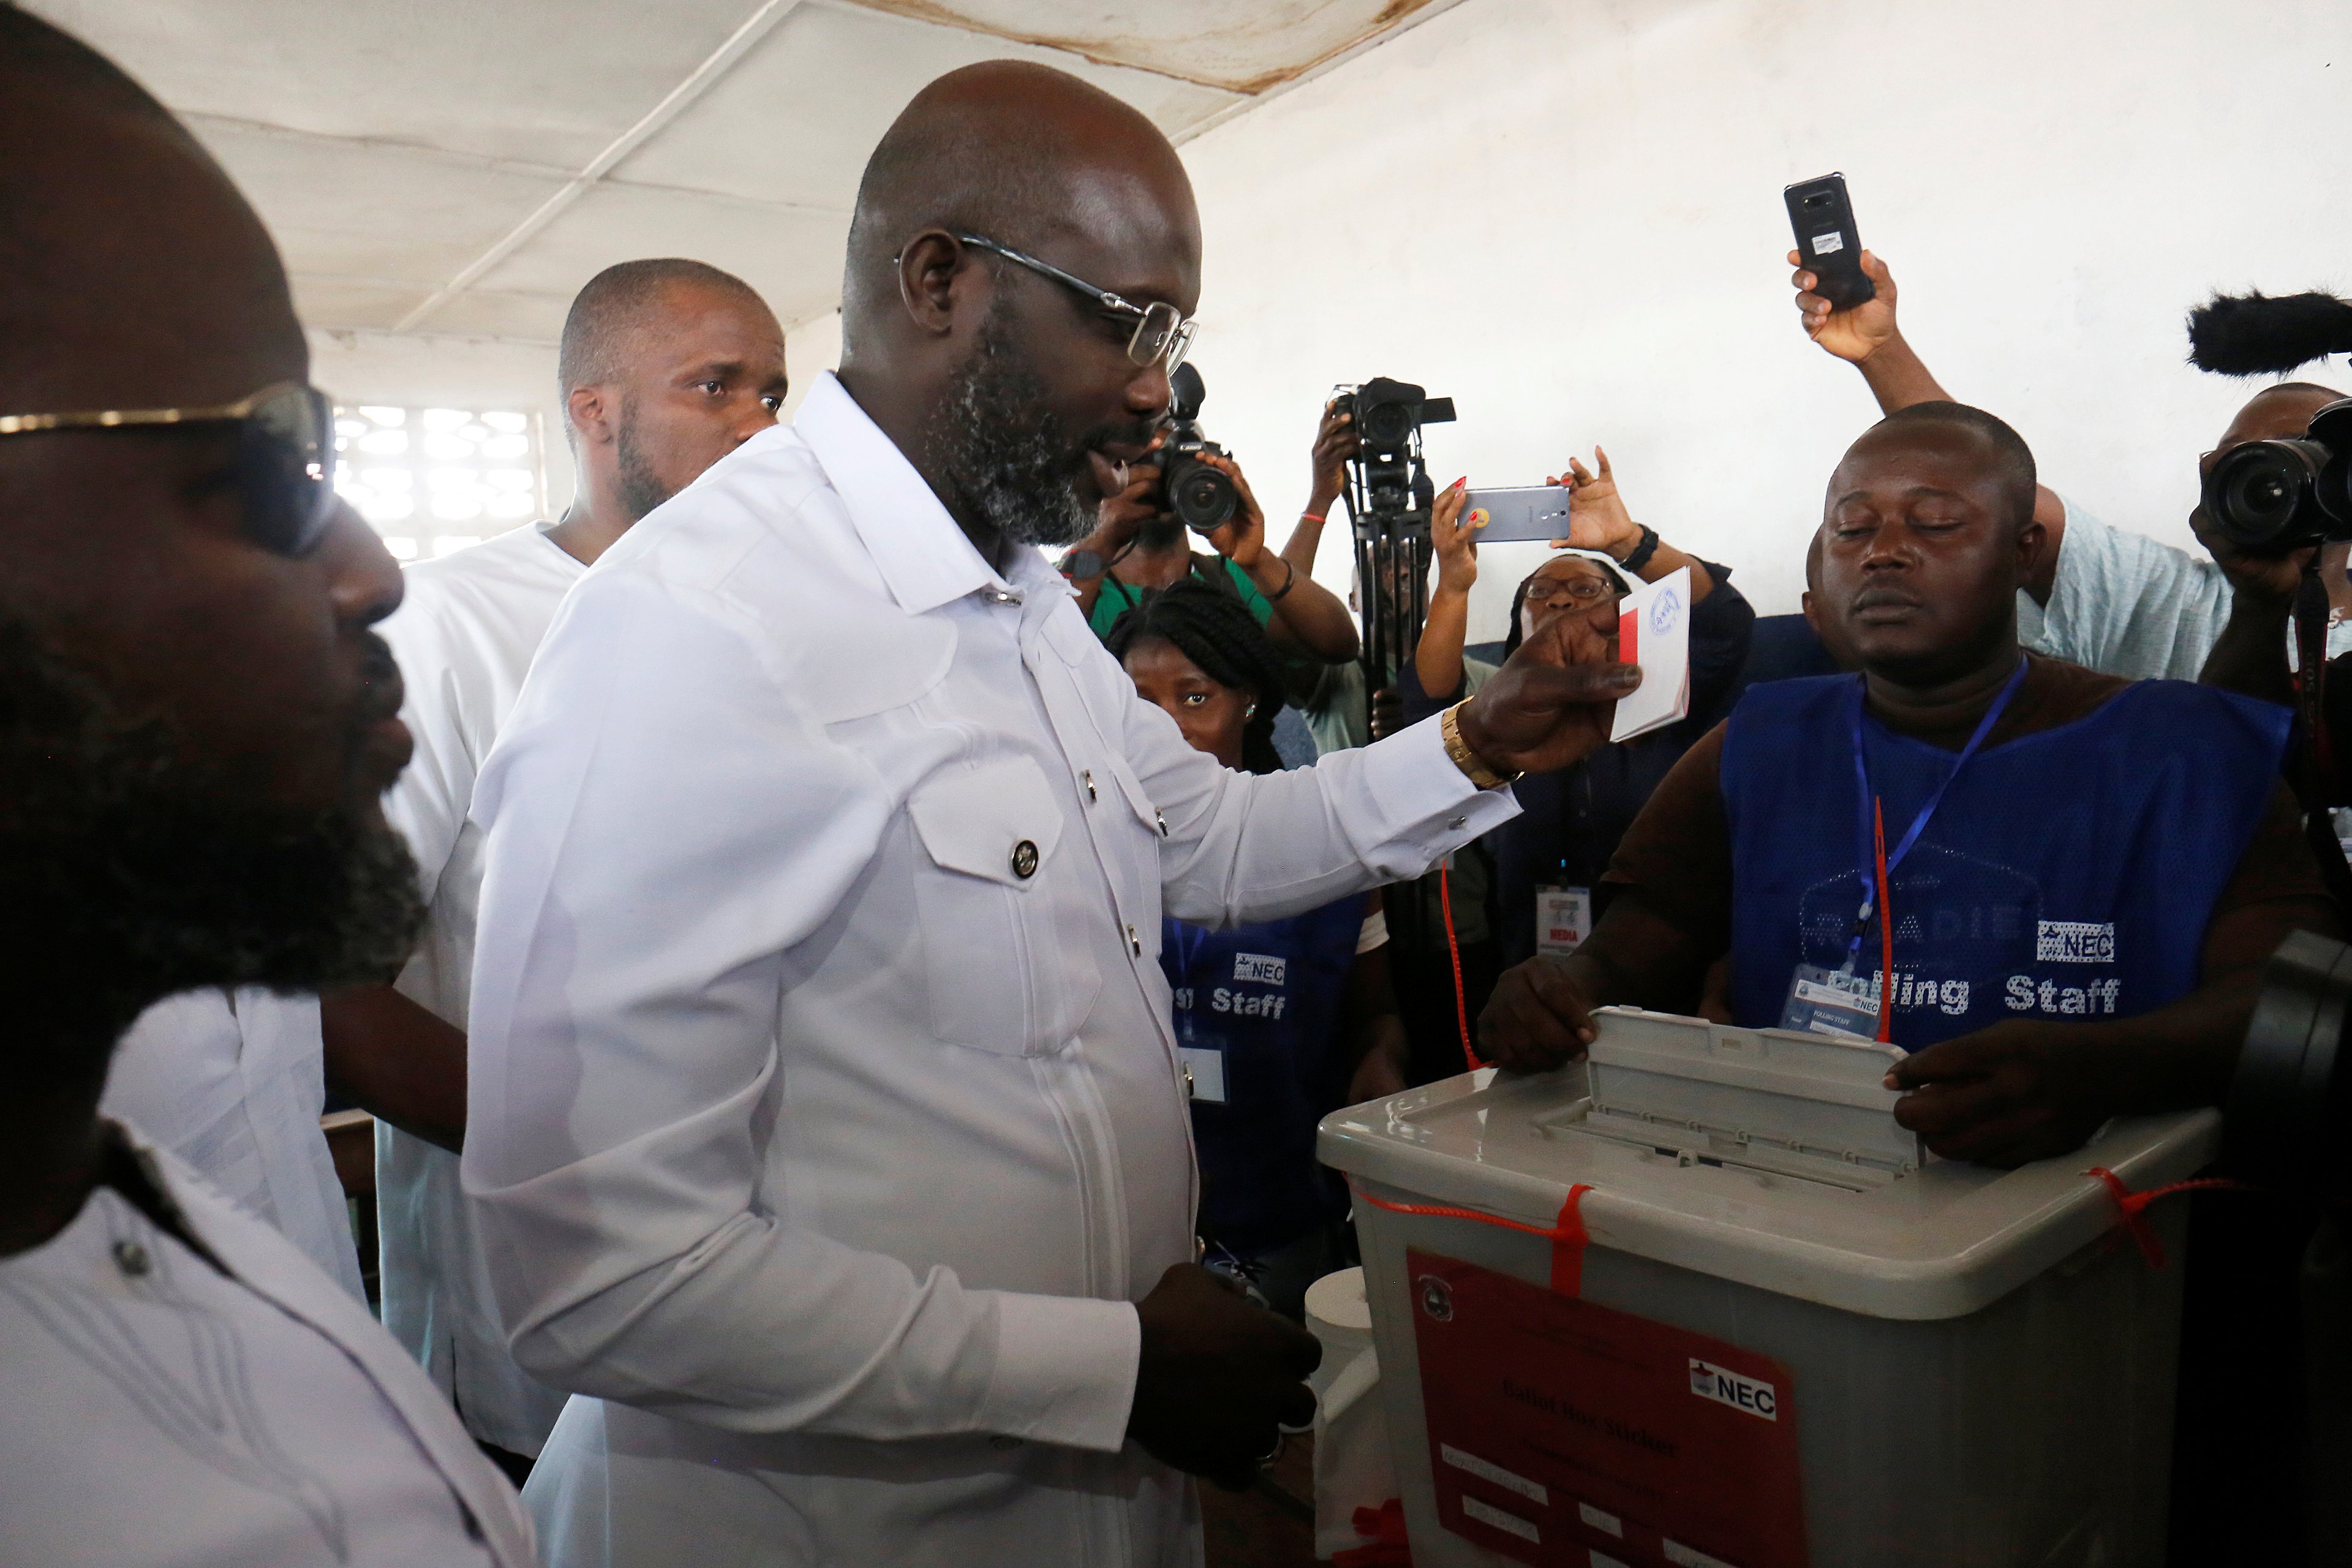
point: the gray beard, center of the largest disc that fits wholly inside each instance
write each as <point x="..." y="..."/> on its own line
<point x="128" y="872"/>
<point x="1005" y="453"/>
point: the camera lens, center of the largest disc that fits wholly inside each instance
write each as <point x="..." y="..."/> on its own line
<point x="2261" y="496"/>
<point x="1384" y="427"/>
<point x="1202" y="497"/>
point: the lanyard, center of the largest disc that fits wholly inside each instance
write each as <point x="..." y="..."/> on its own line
<point x="1867" y="804"/>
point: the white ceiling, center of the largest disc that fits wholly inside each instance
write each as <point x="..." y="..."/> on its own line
<point x="460" y="167"/>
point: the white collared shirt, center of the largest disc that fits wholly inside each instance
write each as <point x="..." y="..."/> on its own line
<point x="464" y="633"/>
<point x="156" y="1410"/>
<point x="825" y="1111"/>
<point x="232" y="1082"/>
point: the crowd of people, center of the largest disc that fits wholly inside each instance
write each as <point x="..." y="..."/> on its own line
<point x="853" y="927"/>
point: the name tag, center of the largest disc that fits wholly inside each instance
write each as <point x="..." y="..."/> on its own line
<point x="1831" y="1002"/>
<point x="1204" y="1070"/>
<point x="1563" y="920"/>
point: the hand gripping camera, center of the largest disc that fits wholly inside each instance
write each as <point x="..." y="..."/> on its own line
<point x="1203" y="497"/>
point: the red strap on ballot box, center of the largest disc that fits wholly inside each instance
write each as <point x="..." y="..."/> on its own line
<point x="2134" y="1206"/>
<point x="1567" y="1233"/>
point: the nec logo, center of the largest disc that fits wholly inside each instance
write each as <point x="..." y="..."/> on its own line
<point x="1258" y="967"/>
<point x="1725" y="1386"/>
<point x="2074" y="941"/>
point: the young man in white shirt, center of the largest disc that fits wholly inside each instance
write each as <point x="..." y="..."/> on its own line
<point x="2109" y="600"/>
<point x="824" y="1118"/>
<point x="667" y="366"/>
<point x="195" y="726"/>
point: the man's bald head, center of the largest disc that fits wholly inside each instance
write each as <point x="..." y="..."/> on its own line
<point x="88" y="159"/>
<point x="2008" y="460"/>
<point x="614" y="312"/>
<point x="1017" y="152"/>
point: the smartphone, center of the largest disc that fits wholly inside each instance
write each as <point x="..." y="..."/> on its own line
<point x="1827" y="244"/>
<point x="1521" y="511"/>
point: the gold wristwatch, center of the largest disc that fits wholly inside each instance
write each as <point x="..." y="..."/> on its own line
<point x="1472" y="766"/>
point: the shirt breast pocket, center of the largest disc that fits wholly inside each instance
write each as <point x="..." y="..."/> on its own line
<point x="997" y="980"/>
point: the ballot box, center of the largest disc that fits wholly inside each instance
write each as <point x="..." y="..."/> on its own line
<point x="1746" y="1318"/>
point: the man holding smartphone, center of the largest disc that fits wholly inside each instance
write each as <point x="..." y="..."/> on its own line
<point x="2101" y="598"/>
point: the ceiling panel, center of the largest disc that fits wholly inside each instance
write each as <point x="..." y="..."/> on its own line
<point x="352" y="302"/>
<point x="532" y="79"/>
<point x="1242" y="46"/>
<point x="369" y="210"/>
<point x="793" y="257"/>
<point x="502" y="314"/>
<point x="795" y="120"/>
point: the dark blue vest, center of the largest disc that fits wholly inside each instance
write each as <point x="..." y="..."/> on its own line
<point x="2068" y="874"/>
<point x="1268" y="996"/>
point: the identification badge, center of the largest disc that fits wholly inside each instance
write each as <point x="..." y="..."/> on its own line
<point x="1204" y="1070"/>
<point x="1831" y="1002"/>
<point x="1563" y="920"/>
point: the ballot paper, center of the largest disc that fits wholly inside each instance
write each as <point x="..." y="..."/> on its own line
<point x="1654" y="631"/>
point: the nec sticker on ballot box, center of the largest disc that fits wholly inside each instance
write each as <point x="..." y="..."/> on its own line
<point x="1565" y="1432"/>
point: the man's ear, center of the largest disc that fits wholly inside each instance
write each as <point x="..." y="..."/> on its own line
<point x="937" y="275"/>
<point x="594" y="415"/>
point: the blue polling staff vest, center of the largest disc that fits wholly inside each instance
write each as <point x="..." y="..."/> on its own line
<point x="2068" y="874"/>
<point x="1268" y="996"/>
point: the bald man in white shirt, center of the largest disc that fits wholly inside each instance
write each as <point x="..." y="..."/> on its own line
<point x="826" y="1125"/>
<point x="667" y="366"/>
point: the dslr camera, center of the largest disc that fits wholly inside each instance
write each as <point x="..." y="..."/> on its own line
<point x="1204" y="497"/>
<point x="2270" y="497"/>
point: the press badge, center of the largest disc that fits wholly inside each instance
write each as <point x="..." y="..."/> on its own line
<point x="1563" y="920"/>
<point x="1831" y="1002"/>
<point x="1204" y="1070"/>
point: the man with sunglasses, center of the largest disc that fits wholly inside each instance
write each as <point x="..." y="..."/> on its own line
<point x="195" y="726"/>
<point x="826" y="1125"/>
<point x="666" y="366"/>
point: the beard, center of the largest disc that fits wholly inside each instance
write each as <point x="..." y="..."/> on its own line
<point x="1009" y="456"/>
<point x="642" y="490"/>
<point x="128" y="872"/>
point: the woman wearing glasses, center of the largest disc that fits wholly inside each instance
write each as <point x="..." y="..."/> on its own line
<point x="1549" y="861"/>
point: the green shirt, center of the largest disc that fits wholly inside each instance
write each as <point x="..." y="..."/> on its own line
<point x="1115" y="598"/>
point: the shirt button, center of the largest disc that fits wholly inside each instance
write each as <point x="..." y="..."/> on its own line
<point x="1459" y="822"/>
<point x="1134" y="942"/>
<point x="1088" y="778"/>
<point x="1163" y="822"/>
<point x="1024" y="859"/>
<point x="132" y="1258"/>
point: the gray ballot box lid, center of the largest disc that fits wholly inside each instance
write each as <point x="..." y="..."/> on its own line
<point x="1761" y="1156"/>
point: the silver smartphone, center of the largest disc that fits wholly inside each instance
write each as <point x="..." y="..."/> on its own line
<point x="1521" y="511"/>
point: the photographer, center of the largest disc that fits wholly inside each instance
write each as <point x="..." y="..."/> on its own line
<point x="1549" y="861"/>
<point x="2101" y="598"/>
<point x="1322" y="1032"/>
<point x="1138" y="546"/>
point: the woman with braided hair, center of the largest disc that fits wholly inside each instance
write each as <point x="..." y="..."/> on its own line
<point x="1279" y="1022"/>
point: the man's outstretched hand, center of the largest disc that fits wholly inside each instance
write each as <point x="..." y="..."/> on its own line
<point x="1858" y="331"/>
<point x="1219" y="1376"/>
<point x="1551" y="705"/>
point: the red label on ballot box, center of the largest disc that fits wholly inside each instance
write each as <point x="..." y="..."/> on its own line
<point x="1563" y="1433"/>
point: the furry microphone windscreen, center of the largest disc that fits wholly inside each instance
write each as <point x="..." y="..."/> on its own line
<point x="2253" y="334"/>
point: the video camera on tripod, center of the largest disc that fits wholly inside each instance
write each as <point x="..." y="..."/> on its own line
<point x="1389" y="501"/>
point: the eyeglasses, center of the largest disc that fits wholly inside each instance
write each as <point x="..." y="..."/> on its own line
<point x="1582" y="589"/>
<point x="285" y="461"/>
<point x="1161" y="332"/>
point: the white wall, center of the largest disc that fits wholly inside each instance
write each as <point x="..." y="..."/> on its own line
<point x="452" y="373"/>
<point x="810" y="348"/>
<point x="1567" y="215"/>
